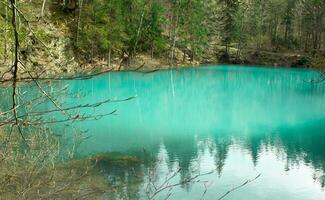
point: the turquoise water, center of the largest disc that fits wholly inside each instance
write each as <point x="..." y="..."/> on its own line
<point x="235" y="122"/>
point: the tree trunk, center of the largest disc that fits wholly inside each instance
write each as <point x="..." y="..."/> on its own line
<point x="109" y="57"/>
<point x="43" y="7"/>
<point x="78" y="22"/>
<point x="5" y="38"/>
<point x="138" y="32"/>
<point x="92" y="53"/>
<point x="152" y="49"/>
<point x="175" y="19"/>
<point x="14" y="69"/>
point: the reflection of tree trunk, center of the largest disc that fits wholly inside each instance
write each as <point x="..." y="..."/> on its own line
<point x="172" y="82"/>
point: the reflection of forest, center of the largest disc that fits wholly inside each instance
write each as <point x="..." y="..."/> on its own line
<point x="298" y="146"/>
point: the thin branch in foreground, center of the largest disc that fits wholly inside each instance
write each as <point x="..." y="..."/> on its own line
<point x="167" y="186"/>
<point x="78" y="117"/>
<point x="29" y="102"/>
<point x="79" y="106"/>
<point x="81" y="77"/>
<point x="238" y="187"/>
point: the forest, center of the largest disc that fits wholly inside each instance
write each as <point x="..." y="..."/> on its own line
<point x="174" y="32"/>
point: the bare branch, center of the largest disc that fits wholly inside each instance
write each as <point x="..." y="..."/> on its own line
<point x="238" y="187"/>
<point x="166" y="185"/>
<point x="81" y="77"/>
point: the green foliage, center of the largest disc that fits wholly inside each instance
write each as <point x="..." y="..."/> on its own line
<point x="99" y="28"/>
<point x="103" y="27"/>
<point x="319" y="61"/>
<point x="138" y="26"/>
<point x="152" y="35"/>
<point x="228" y="17"/>
<point x="193" y="31"/>
<point x="240" y="30"/>
<point x="130" y="27"/>
<point x="122" y="26"/>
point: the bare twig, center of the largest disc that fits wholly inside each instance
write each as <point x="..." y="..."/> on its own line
<point x="78" y="107"/>
<point x="81" y="77"/>
<point x="238" y="187"/>
<point x="166" y="185"/>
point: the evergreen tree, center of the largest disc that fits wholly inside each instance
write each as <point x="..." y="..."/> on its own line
<point x="227" y="18"/>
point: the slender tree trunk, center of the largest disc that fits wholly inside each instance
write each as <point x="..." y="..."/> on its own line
<point x="43" y="7"/>
<point x="5" y="37"/>
<point x="323" y="40"/>
<point x="174" y="39"/>
<point x="320" y="41"/>
<point x="109" y="57"/>
<point x="152" y="49"/>
<point x="138" y="32"/>
<point x="227" y="48"/>
<point x="315" y="39"/>
<point x="16" y="47"/>
<point x="184" y="56"/>
<point x="92" y="52"/>
<point x="78" y="23"/>
<point x="238" y="50"/>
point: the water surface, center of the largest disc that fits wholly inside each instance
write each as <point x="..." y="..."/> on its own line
<point x="235" y="121"/>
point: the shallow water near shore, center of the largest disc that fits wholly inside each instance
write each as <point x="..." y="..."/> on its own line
<point x="235" y="122"/>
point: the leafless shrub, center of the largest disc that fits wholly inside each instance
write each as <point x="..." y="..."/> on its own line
<point x="38" y="173"/>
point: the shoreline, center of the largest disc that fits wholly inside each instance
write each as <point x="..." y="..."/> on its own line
<point x="142" y="64"/>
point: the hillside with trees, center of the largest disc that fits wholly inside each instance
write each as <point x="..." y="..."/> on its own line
<point x="130" y="34"/>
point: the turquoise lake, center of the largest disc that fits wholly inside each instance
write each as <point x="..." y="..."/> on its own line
<point x="235" y="122"/>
